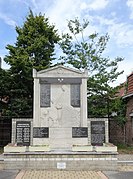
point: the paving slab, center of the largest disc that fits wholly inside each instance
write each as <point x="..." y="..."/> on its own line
<point x="125" y="157"/>
<point x="44" y="174"/>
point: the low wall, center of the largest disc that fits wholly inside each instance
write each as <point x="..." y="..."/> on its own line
<point x="61" y="160"/>
<point x="116" y="132"/>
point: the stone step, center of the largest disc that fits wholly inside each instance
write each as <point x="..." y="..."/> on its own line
<point x="128" y="162"/>
<point x="61" y="149"/>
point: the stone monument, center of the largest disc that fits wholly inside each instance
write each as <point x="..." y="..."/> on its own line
<point x="60" y="108"/>
<point x="60" y="136"/>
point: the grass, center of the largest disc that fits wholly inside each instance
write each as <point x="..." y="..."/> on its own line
<point x="124" y="149"/>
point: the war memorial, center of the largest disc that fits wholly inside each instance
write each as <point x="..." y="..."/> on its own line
<point x="60" y="135"/>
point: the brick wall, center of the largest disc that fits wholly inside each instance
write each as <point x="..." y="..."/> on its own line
<point x="129" y="123"/>
<point x="130" y="84"/>
<point x="116" y="132"/>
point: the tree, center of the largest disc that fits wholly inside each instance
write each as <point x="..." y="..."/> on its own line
<point x="86" y="51"/>
<point x="4" y="92"/>
<point x="34" y="48"/>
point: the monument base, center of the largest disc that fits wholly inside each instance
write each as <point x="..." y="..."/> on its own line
<point x="61" y="160"/>
<point x="82" y="148"/>
<point x="107" y="147"/>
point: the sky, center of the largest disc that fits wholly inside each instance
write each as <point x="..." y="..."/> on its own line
<point x="114" y="17"/>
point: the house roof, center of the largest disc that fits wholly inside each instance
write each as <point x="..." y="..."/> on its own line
<point x="121" y="91"/>
<point x="130" y="84"/>
<point x="129" y="88"/>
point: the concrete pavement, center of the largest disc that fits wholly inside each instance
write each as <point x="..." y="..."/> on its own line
<point x="118" y="175"/>
<point x="125" y="171"/>
<point x="45" y="174"/>
<point x="8" y="174"/>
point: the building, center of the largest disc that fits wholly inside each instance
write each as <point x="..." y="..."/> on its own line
<point x="128" y="97"/>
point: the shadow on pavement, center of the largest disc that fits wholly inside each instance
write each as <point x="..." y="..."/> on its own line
<point x="8" y="174"/>
<point x="118" y="175"/>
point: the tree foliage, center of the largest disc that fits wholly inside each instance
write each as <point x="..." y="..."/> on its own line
<point x="5" y="79"/>
<point x="34" y="48"/>
<point x="85" y="51"/>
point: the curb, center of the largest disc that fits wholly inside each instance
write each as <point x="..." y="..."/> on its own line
<point x="125" y="162"/>
<point x="20" y="174"/>
<point x="102" y="175"/>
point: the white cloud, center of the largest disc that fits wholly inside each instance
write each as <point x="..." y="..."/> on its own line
<point x="64" y="10"/>
<point x="130" y="5"/>
<point x="122" y="33"/>
<point x="7" y="20"/>
<point x="98" y="4"/>
<point x="94" y="5"/>
<point x="61" y="11"/>
<point x="2" y="55"/>
<point x="126" y="66"/>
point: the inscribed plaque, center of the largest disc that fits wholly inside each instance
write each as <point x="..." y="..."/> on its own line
<point x="75" y="95"/>
<point x="97" y="132"/>
<point x="78" y="132"/>
<point x="45" y="90"/>
<point x="40" y="132"/>
<point x="23" y="133"/>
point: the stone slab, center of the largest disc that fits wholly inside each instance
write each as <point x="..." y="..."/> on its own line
<point x="72" y="160"/>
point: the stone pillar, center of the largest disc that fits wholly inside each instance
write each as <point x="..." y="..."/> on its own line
<point x="89" y="132"/>
<point x="106" y="131"/>
<point x="84" y="103"/>
<point x="36" y="107"/>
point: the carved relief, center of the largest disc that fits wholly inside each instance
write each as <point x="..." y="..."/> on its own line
<point x="60" y="71"/>
<point x="61" y="113"/>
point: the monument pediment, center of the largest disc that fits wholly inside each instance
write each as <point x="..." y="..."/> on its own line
<point x="59" y="71"/>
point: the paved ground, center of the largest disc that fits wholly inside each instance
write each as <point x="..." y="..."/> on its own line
<point x="119" y="175"/>
<point x="42" y="174"/>
<point x="125" y="168"/>
<point x="124" y="172"/>
<point x="8" y="174"/>
<point x="125" y="157"/>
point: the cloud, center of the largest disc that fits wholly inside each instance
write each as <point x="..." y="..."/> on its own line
<point x="120" y="32"/>
<point x="64" y="10"/>
<point x="61" y="11"/>
<point x="2" y="55"/>
<point x="130" y="5"/>
<point x="94" y="5"/>
<point x="126" y="65"/>
<point x="7" y="20"/>
<point x="98" y="4"/>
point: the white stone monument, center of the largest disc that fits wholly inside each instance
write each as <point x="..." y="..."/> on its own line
<point x="60" y="136"/>
<point x="60" y="107"/>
